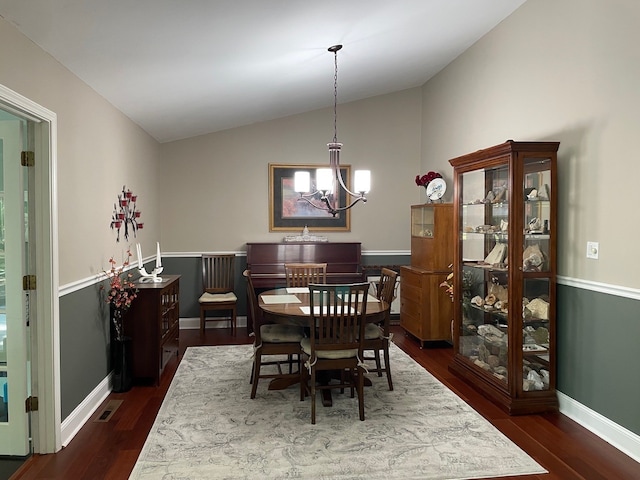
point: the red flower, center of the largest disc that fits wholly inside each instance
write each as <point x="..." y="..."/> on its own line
<point x="424" y="180"/>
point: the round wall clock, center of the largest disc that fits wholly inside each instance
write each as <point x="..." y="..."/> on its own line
<point x="436" y="188"/>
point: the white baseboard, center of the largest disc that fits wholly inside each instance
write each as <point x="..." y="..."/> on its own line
<point x="82" y="413"/>
<point x="612" y="433"/>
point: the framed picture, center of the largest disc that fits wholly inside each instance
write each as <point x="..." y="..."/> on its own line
<point x="288" y="213"/>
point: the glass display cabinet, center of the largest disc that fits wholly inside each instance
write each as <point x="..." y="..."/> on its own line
<point x="505" y="274"/>
<point x="425" y="309"/>
<point x="422" y="218"/>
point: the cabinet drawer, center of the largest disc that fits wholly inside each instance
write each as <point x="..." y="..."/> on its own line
<point x="411" y="291"/>
<point x="411" y="323"/>
<point x="409" y="307"/>
<point x="411" y="277"/>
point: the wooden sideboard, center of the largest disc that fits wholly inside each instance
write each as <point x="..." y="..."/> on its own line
<point x="152" y="322"/>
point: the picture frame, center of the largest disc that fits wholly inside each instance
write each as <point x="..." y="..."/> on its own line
<point x="287" y="213"/>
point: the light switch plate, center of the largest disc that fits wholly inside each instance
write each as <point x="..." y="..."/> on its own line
<point x="593" y="249"/>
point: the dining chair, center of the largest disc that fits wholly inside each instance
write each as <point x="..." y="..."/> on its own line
<point x="337" y="316"/>
<point x="302" y="274"/>
<point x="378" y="336"/>
<point x="271" y="339"/>
<point x="218" y="274"/>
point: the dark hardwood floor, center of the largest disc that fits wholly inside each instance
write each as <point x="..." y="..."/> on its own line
<point x="109" y="450"/>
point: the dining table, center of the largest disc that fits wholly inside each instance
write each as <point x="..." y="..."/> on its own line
<point x="291" y="306"/>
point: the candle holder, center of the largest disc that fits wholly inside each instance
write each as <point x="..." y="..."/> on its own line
<point x="146" y="277"/>
<point x="125" y="214"/>
<point x="152" y="277"/>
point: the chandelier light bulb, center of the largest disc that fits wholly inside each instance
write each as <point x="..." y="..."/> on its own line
<point x="302" y="182"/>
<point x="324" y="180"/>
<point x="362" y="181"/>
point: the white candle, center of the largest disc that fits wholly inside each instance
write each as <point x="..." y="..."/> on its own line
<point x="139" y="252"/>
<point x="158" y="258"/>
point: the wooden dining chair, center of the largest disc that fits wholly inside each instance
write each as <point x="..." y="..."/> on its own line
<point x="271" y="339"/>
<point x="378" y="336"/>
<point x="302" y="274"/>
<point x="336" y="325"/>
<point x="218" y="274"/>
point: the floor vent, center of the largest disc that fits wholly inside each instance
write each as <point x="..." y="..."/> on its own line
<point x="108" y="410"/>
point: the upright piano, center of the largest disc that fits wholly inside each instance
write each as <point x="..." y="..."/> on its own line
<point x="266" y="261"/>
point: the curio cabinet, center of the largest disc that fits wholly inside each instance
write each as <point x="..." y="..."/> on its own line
<point x="504" y="308"/>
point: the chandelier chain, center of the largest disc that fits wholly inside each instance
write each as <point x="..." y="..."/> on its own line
<point x="335" y="98"/>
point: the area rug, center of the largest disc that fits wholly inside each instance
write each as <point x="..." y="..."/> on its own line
<point x="209" y="428"/>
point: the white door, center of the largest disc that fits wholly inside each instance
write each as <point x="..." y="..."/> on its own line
<point x="15" y="302"/>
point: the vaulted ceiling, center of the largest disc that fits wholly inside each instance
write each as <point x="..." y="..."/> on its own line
<point x="191" y="67"/>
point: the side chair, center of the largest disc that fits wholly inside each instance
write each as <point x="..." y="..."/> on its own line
<point x="336" y="324"/>
<point x="302" y="274"/>
<point x="378" y="336"/>
<point x="218" y="294"/>
<point x="271" y="339"/>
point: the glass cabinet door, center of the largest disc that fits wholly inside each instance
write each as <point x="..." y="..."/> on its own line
<point x="484" y="271"/>
<point x="422" y="221"/>
<point x="537" y="259"/>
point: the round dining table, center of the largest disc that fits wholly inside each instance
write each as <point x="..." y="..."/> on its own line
<point x="291" y="306"/>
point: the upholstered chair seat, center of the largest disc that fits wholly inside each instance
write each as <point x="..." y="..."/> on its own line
<point x="276" y="333"/>
<point x="217" y="297"/>
<point x="328" y="354"/>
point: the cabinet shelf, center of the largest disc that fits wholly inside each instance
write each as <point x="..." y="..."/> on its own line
<point x="505" y="251"/>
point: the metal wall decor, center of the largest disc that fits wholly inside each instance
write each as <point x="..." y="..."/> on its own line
<point x="125" y="214"/>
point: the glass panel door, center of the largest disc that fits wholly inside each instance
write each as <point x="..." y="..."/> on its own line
<point x="536" y="267"/>
<point x="14" y="244"/>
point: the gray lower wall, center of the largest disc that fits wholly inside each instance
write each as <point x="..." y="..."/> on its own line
<point x="84" y="345"/>
<point x="597" y="340"/>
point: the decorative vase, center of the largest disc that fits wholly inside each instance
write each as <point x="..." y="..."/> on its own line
<point x="121" y="364"/>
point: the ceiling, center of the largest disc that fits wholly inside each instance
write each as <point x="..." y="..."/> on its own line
<point x="185" y="68"/>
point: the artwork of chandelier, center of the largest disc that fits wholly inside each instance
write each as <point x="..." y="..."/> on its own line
<point x="329" y="179"/>
<point x="125" y="214"/>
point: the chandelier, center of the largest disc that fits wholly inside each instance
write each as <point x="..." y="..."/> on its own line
<point x="329" y="179"/>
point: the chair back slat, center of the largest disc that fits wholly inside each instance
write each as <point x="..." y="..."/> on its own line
<point x="218" y="273"/>
<point x="255" y="311"/>
<point x="337" y="315"/>
<point x="302" y="274"/>
<point x="387" y="285"/>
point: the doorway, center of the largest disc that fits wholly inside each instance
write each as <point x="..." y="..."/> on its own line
<point x="29" y="345"/>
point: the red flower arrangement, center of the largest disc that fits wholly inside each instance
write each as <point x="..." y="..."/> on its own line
<point x="423" y="181"/>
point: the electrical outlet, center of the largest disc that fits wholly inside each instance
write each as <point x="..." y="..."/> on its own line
<point x="593" y="249"/>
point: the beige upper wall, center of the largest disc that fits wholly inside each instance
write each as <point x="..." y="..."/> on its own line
<point x="563" y="71"/>
<point x="99" y="151"/>
<point x="215" y="187"/>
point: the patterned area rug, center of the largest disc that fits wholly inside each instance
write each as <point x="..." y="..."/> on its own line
<point x="209" y="428"/>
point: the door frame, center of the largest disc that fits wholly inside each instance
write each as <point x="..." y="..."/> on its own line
<point x="45" y="330"/>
